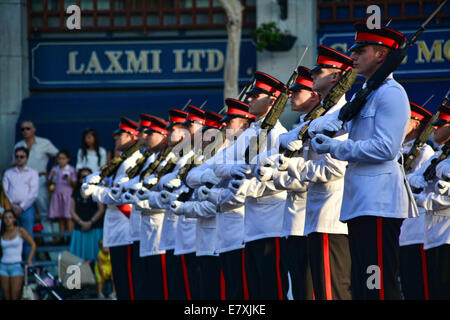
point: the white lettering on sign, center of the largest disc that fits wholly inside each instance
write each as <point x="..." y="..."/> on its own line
<point x="192" y="60"/>
<point x="134" y="63"/>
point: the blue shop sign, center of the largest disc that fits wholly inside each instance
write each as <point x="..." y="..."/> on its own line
<point x="134" y="64"/>
<point x="429" y="57"/>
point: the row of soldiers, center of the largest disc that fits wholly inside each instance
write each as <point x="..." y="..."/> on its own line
<point x="191" y="218"/>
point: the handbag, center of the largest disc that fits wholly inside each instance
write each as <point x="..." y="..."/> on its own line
<point x="27" y="292"/>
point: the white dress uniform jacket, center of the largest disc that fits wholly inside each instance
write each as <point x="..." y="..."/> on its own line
<point x="230" y="208"/>
<point x="116" y="226"/>
<point x="263" y="213"/>
<point x="437" y="206"/>
<point x="412" y="230"/>
<point x="325" y="178"/>
<point x="374" y="183"/>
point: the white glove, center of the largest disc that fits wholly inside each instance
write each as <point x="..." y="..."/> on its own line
<point x="177" y="208"/>
<point x="326" y="144"/>
<point x="173" y="184"/>
<point x="93" y="178"/>
<point x="151" y="180"/>
<point x="420" y="199"/>
<point x="209" y="177"/>
<point x="293" y="167"/>
<point x="417" y="181"/>
<point x="295" y="145"/>
<point x="240" y="170"/>
<point x="165" y="197"/>
<point x="239" y="186"/>
<point x="264" y="173"/>
<point x="442" y="187"/>
<point x="116" y="191"/>
<point x="324" y="123"/>
<point x="203" y="193"/>
<point x="129" y="198"/>
<point x="214" y="196"/>
<point x="443" y="170"/>
<point x="87" y="189"/>
<point x="143" y="194"/>
<point x="333" y="125"/>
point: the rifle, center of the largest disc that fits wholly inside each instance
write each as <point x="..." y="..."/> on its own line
<point x="134" y="171"/>
<point x="395" y="58"/>
<point x="426" y="132"/>
<point x="108" y="170"/>
<point x="331" y="99"/>
<point x="430" y="172"/>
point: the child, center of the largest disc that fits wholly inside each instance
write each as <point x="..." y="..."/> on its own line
<point x="103" y="270"/>
<point x="64" y="177"/>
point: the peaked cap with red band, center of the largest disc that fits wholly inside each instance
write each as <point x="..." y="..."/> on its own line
<point x="212" y="120"/>
<point x="384" y="36"/>
<point x="157" y="125"/>
<point x="330" y="58"/>
<point x="195" y="115"/>
<point x="176" y="117"/>
<point x="444" y="116"/>
<point x="419" y="113"/>
<point x="145" y="121"/>
<point x="126" y="125"/>
<point x="267" y="84"/>
<point x="237" y="109"/>
<point x="303" y="81"/>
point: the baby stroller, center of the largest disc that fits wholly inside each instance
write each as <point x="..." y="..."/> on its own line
<point x="43" y="288"/>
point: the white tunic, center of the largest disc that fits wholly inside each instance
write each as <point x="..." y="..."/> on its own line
<point x="437" y="206"/>
<point x="412" y="230"/>
<point x="116" y="226"/>
<point x="374" y="183"/>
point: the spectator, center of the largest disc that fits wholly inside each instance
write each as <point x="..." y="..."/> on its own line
<point x="41" y="150"/>
<point x="91" y="155"/>
<point x="63" y="175"/>
<point x="21" y="184"/>
<point x="4" y="201"/>
<point x="88" y="217"/>
<point x="11" y="270"/>
<point x="103" y="270"/>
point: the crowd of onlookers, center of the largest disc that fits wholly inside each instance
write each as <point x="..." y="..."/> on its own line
<point x="34" y="199"/>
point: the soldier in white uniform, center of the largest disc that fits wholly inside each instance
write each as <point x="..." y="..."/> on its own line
<point x="229" y="212"/>
<point x="435" y="199"/>
<point x="329" y="253"/>
<point x="152" y="281"/>
<point x="116" y="227"/>
<point x="266" y="274"/>
<point x="375" y="200"/>
<point x="412" y="254"/>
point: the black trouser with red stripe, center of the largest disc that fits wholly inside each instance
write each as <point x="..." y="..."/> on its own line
<point x="294" y="254"/>
<point x="329" y="258"/>
<point x="413" y="272"/>
<point x="209" y="280"/>
<point x="374" y="248"/>
<point x="233" y="266"/>
<point x="138" y="272"/>
<point x="191" y="275"/>
<point x="175" y="279"/>
<point x="121" y="262"/>
<point x="438" y="262"/>
<point x="266" y="274"/>
<point x="154" y="278"/>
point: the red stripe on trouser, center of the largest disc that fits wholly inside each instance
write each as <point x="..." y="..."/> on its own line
<point x="327" y="267"/>
<point x="186" y="277"/>
<point x="164" y="274"/>
<point x="244" y="277"/>
<point x="424" y="272"/>
<point x="130" y="276"/>
<point x="380" y="254"/>
<point x="277" y="257"/>
<point x="222" y="286"/>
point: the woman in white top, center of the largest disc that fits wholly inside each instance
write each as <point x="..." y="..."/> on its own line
<point x="90" y="155"/>
<point x="11" y="270"/>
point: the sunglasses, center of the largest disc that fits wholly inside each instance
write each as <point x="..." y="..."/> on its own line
<point x="26" y="128"/>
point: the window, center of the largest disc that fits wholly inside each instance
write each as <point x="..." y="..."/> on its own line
<point x="140" y="15"/>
